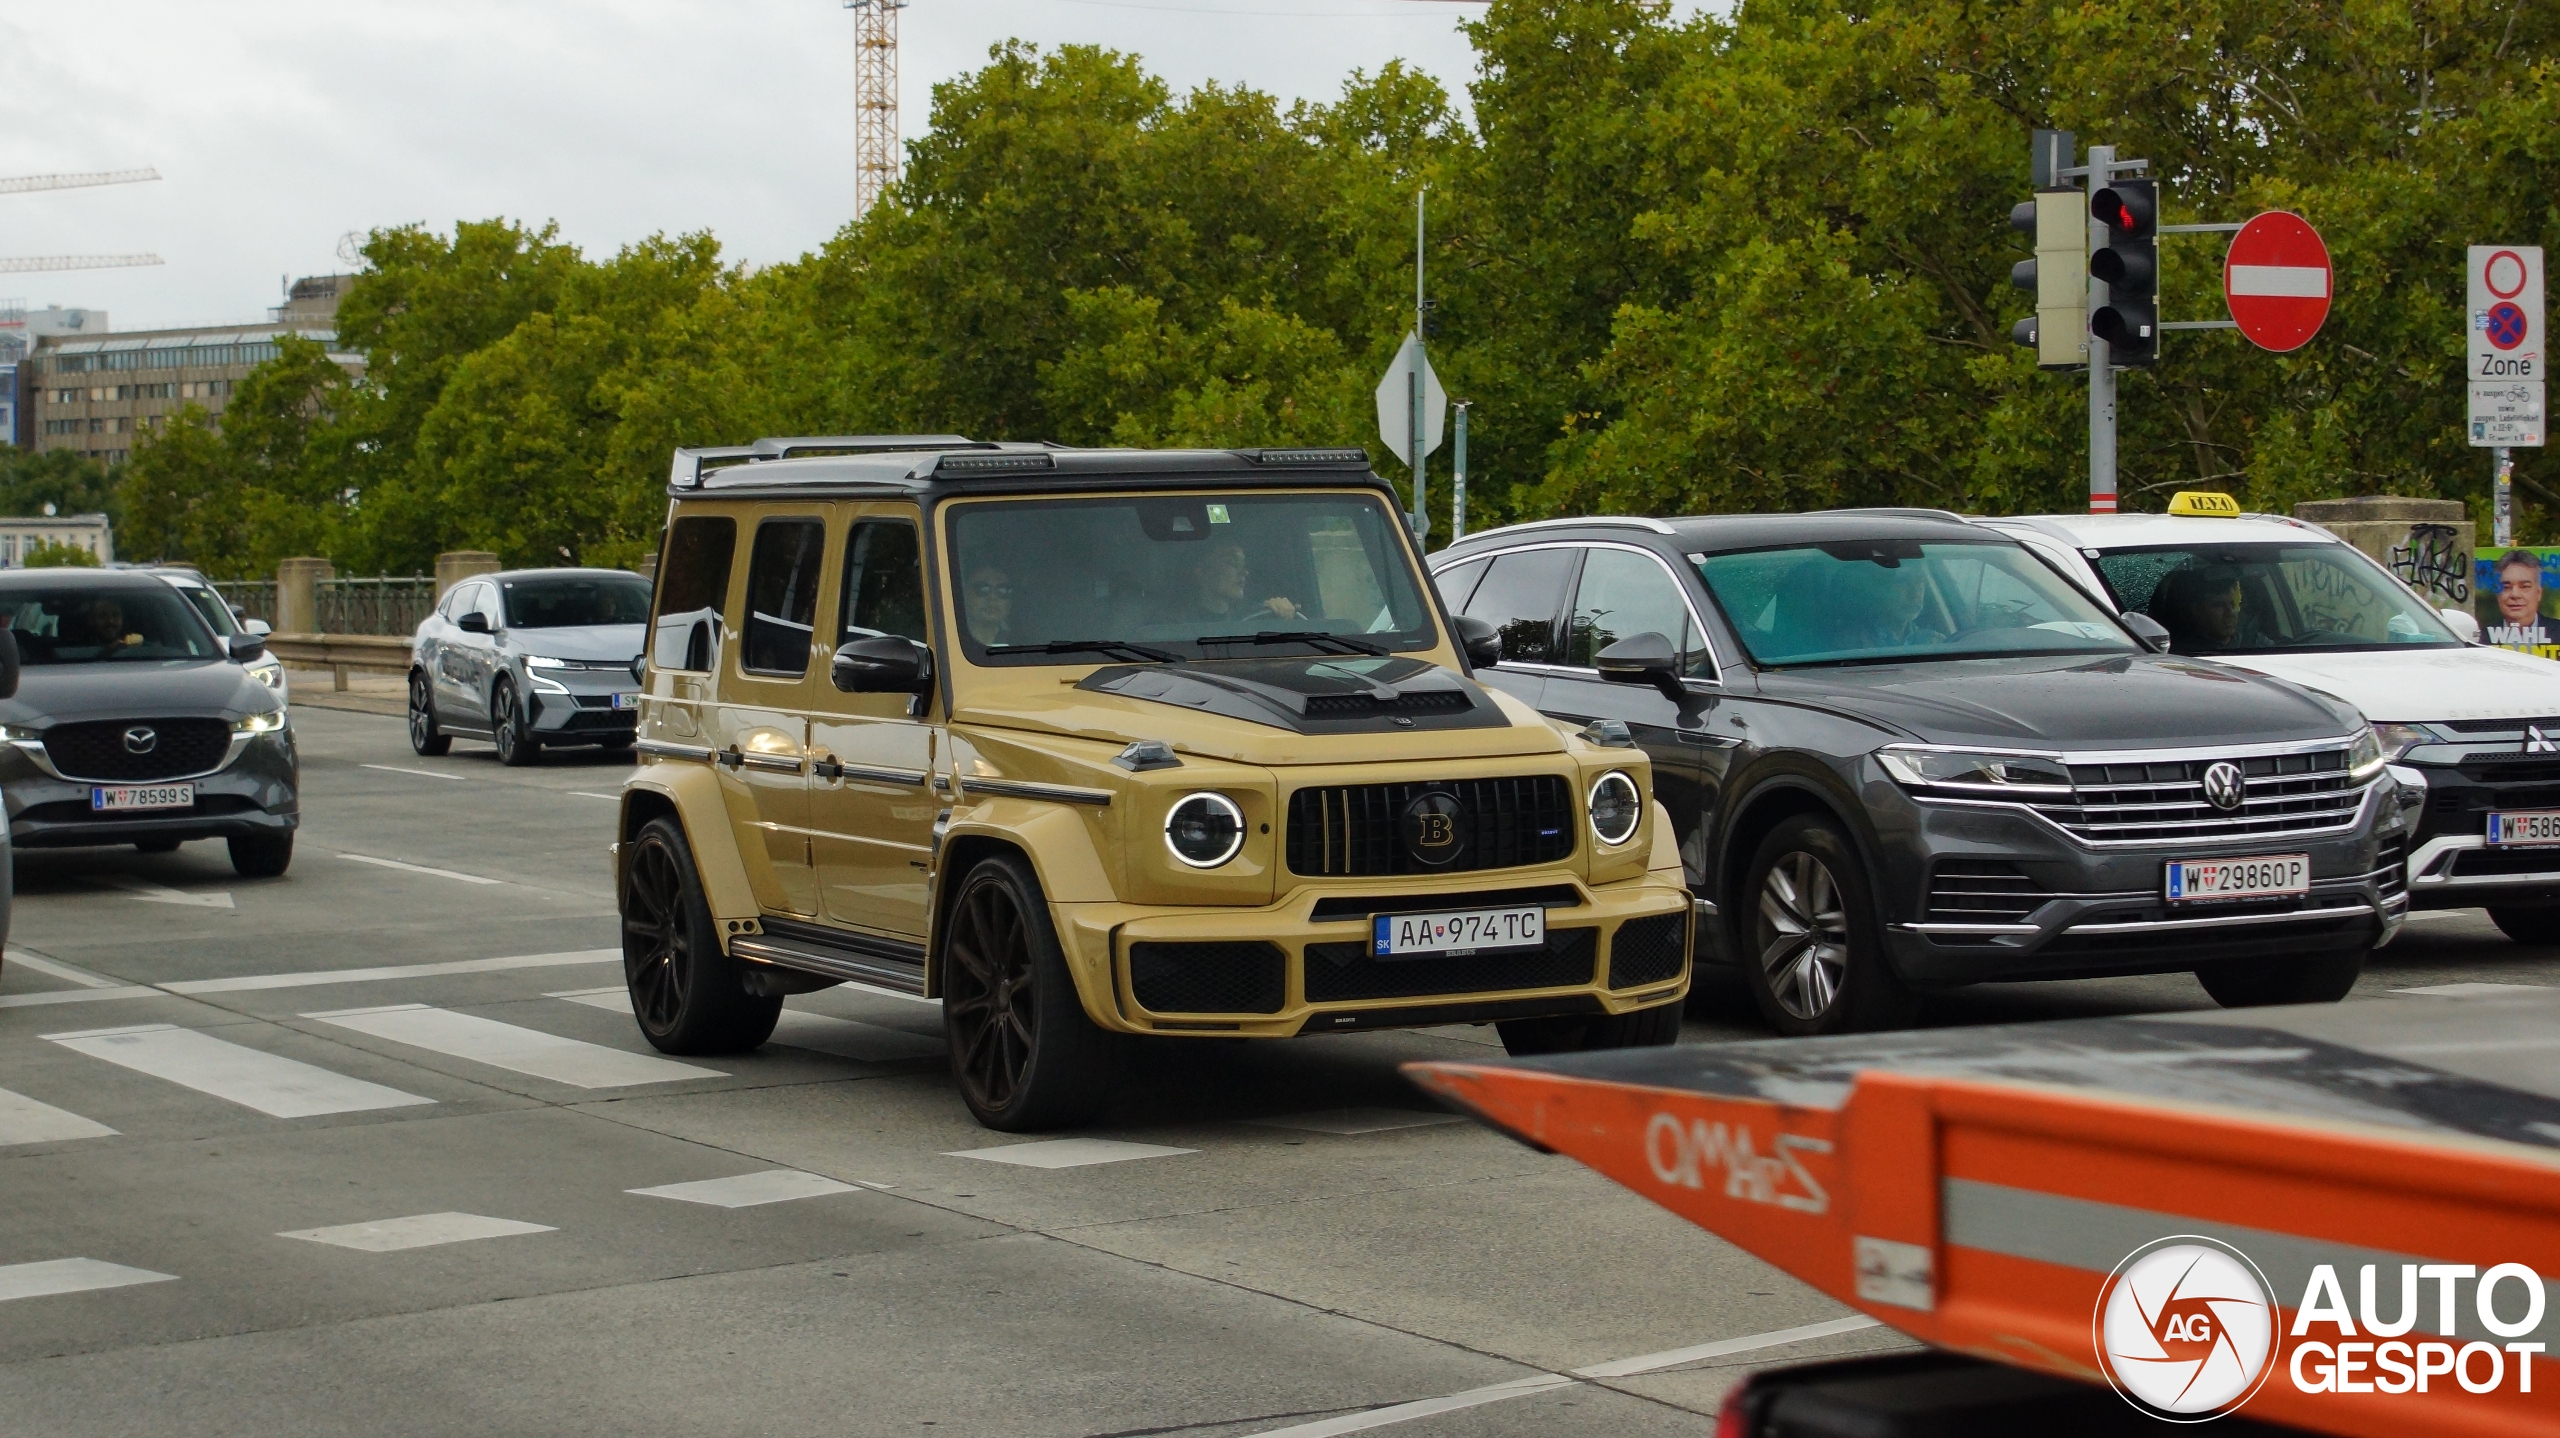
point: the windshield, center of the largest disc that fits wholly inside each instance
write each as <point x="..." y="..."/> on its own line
<point x="1183" y="576"/>
<point x="90" y="626"/>
<point x="2270" y="598"/>
<point x="1894" y="601"/>
<point x="210" y="605"/>
<point x="587" y="599"/>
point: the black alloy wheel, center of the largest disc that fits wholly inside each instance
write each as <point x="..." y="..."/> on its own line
<point x="424" y="737"/>
<point x="2256" y="983"/>
<point x="516" y="748"/>
<point x="1812" y="945"/>
<point x="685" y="992"/>
<point x="1022" y="1050"/>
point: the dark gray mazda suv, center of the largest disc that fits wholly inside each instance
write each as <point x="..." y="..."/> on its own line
<point x="134" y="723"/>
<point x="1902" y="753"/>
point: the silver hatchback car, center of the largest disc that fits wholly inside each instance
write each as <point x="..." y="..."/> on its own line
<point x="529" y="659"/>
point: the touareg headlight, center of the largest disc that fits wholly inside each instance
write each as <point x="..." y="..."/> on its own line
<point x="1204" y="830"/>
<point x="1617" y="808"/>
<point x="1989" y="769"/>
<point x="2366" y="759"/>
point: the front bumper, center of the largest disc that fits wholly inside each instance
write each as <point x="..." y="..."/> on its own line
<point x="2451" y="865"/>
<point x="1302" y="965"/>
<point x="575" y="706"/>
<point x="255" y="791"/>
<point x="2076" y="911"/>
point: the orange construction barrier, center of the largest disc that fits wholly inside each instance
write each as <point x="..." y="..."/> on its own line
<point x="2340" y="1218"/>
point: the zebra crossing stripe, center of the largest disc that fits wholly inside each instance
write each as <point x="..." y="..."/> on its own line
<point x="270" y="1083"/>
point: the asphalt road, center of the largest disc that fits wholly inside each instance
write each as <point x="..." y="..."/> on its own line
<point x="370" y="1148"/>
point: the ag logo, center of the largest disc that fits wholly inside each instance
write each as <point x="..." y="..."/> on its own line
<point x="2185" y="1329"/>
<point x="2223" y="786"/>
<point x="1431" y="830"/>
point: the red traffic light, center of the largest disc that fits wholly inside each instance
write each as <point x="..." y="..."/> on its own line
<point x="2129" y="208"/>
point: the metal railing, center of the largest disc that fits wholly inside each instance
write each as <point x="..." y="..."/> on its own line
<point x="384" y="606"/>
<point x="254" y="598"/>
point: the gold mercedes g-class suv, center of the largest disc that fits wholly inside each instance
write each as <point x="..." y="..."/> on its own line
<point x="1092" y="744"/>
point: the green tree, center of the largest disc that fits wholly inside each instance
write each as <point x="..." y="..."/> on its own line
<point x="66" y="479"/>
<point x="46" y="554"/>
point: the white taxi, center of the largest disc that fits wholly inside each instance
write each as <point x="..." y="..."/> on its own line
<point x="2478" y="727"/>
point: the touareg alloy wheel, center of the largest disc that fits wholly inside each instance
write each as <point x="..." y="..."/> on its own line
<point x="1025" y="1055"/>
<point x="1815" y="960"/>
<point x="684" y="991"/>
<point x="423" y="734"/>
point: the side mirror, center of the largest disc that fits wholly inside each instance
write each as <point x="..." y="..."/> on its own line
<point x="8" y="663"/>
<point x="1479" y="637"/>
<point x="1641" y="659"/>
<point x="883" y="664"/>
<point x="472" y="621"/>
<point x="247" y="647"/>
<point x="2150" y="631"/>
<point x="259" y="627"/>
<point x="2464" y="624"/>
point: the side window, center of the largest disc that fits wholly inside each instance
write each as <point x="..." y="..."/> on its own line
<point x="1456" y="584"/>
<point x="1521" y="594"/>
<point x="484" y="601"/>
<point x="693" y="582"/>
<point x="883" y="582"/>
<point x="1623" y="594"/>
<point x="782" y="596"/>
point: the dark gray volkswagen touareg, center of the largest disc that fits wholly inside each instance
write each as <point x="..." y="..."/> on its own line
<point x="1902" y="753"/>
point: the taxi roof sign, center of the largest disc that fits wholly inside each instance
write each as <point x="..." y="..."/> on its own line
<point x="2203" y="504"/>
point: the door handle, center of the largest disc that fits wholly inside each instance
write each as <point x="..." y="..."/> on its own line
<point x="1704" y="740"/>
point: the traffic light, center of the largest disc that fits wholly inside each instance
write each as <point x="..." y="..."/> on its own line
<point x="2059" y="331"/>
<point x="2129" y="265"/>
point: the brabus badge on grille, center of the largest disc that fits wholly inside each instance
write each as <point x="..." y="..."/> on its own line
<point x="2537" y="742"/>
<point x="2223" y="786"/>
<point x="141" y="739"/>
<point x="1431" y="832"/>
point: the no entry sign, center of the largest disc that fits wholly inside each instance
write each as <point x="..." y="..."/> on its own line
<point x="2276" y="281"/>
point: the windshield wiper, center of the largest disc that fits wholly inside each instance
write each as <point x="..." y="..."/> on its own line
<point x="1089" y="646"/>
<point x="1296" y="636"/>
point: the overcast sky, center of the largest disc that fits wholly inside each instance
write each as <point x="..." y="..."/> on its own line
<point x="280" y="125"/>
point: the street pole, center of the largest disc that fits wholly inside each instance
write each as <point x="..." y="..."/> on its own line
<point x="2505" y="460"/>
<point x="1413" y="383"/>
<point x="1458" y="483"/>
<point x="2102" y="375"/>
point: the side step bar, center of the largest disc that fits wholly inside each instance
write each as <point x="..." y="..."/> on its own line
<point x="835" y="954"/>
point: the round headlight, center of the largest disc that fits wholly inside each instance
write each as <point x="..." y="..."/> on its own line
<point x="1204" y="830"/>
<point x="1617" y="807"/>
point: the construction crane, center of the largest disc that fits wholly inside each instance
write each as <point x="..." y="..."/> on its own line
<point x="875" y="99"/>
<point x="24" y="184"/>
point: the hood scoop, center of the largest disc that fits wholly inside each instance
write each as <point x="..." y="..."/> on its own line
<point x="1311" y="696"/>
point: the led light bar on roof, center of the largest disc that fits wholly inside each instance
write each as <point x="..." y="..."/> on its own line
<point x="1306" y="456"/>
<point x="958" y="464"/>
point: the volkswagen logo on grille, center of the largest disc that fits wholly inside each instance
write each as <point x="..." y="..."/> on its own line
<point x="2223" y="786"/>
<point x="1434" y="833"/>
<point x="141" y="739"/>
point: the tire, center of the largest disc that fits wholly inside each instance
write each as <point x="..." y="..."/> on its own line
<point x="424" y="736"/>
<point x="516" y="748"/>
<point x="156" y="846"/>
<point x="260" y="856"/>
<point x="685" y="992"/>
<point x="1810" y="942"/>
<point x="2527" y="926"/>
<point x="1022" y="1051"/>
<point x="1655" y="1027"/>
<point x="2323" y="979"/>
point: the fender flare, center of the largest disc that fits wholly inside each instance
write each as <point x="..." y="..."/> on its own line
<point x="692" y="791"/>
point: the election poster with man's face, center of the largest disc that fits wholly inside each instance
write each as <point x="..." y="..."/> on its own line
<point x="2517" y="592"/>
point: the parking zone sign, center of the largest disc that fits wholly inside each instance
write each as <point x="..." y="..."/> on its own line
<point x="2506" y="359"/>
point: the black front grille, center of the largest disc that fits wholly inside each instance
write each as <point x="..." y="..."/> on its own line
<point x="2392" y="877"/>
<point x="1357" y="830"/>
<point x="2500" y="769"/>
<point x="1209" y="978"/>
<point x="1360" y="906"/>
<point x="1647" y="951"/>
<point x="1982" y="891"/>
<point x="1347" y="971"/>
<point x="1353" y="706"/>
<point x="2161" y="800"/>
<point x="2515" y="727"/>
<point x="2483" y="863"/>
<point x="97" y="749"/>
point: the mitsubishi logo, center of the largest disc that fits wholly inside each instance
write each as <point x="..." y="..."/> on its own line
<point x="141" y="739"/>
<point x="2223" y="786"/>
<point x="2537" y="742"/>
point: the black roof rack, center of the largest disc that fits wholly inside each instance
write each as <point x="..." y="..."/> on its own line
<point x="690" y="464"/>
